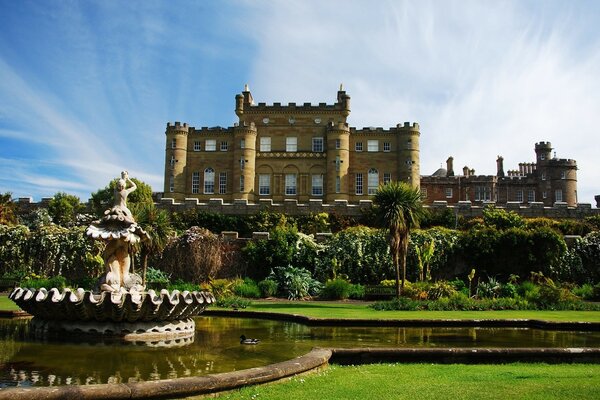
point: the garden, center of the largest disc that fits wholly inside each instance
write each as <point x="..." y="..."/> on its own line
<point x="499" y="262"/>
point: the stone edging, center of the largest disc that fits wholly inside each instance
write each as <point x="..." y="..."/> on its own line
<point x="464" y="355"/>
<point x="451" y="323"/>
<point x="179" y="387"/>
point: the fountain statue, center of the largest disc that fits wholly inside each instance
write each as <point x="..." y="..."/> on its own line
<point x="119" y="306"/>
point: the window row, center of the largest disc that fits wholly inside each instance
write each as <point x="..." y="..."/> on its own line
<point x="372" y="181"/>
<point x="209" y="182"/>
<point x="372" y="146"/>
<point x="291" y="144"/>
<point x="211" y="145"/>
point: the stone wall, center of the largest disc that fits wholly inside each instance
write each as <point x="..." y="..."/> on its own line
<point x="343" y="207"/>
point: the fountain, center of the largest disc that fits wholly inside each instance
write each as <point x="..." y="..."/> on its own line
<point x="119" y="306"/>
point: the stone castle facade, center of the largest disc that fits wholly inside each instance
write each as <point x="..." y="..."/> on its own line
<point x="288" y="152"/>
<point x="548" y="180"/>
<point x="308" y="153"/>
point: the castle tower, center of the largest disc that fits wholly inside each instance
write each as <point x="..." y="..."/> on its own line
<point x="244" y="161"/>
<point x="408" y="153"/>
<point x="557" y="177"/>
<point x="338" y="162"/>
<point x="176" y="160"/>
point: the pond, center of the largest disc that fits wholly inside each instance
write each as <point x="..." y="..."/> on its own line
<point x="25" y="361"/>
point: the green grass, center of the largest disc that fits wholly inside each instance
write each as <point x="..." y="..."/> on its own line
<point x="318" y="309"/>
<point x="7" y="304"/>
<point x="425" y="381"/>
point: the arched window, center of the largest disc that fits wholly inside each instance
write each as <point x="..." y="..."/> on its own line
<point x="373" y="181"/>
<point x="209" y="181"/>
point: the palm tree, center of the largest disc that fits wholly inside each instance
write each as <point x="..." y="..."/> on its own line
<point x="158" y="226"/>
<point x="399" y="207"/>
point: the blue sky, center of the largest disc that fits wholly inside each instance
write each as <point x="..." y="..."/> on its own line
<point x="87" y="87"/>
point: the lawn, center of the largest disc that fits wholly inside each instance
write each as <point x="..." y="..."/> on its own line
<point x="356" y="310"/>
<point x="436" y="381"/>
<point x="7" y="304"/>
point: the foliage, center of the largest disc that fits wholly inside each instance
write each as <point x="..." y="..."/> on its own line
<point x="490" y="289"/>
<point x="295" y="283"/>
<point x="359" y="254"/>
<point x="104" y="198"/>
<point x="444" y="242"/>
<point x="512" y="251"/>
<point x="268" y="288"/>
<point x="398" y="206"/>
<point x="501" y="219"/>
<point x="37" y="282"/>
<point x="445" y="218"/>
<point x="214" y="222"/>
<point x="336" y="289"/>
<point x="234" y="302"/>
<point x="585" y="262"/>
<point x="156" y="279"/>
<point x="440" y="289"/>
<point x="222" y="287"/>
<point x="285" y="246"/>
<point x="36" y="218"/>
<point x="64" y="208"/>
<point x="247" y="288"/>
<point x="13" y="249"/>
<point x="313" y="223"/>
<point x="8" y="214"/>
<point x="182" y="286"/>
<point x="157" y="225"/>
<point x="193" y="257"/>
<point x="267" y="221"/>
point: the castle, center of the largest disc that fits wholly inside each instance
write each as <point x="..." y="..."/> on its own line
<point x="293" y="152"/>
<point x="549" y="181"/>
<point x="309" y="153"/>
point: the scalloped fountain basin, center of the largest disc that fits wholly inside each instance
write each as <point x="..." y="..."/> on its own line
<point x="128" y="315"/>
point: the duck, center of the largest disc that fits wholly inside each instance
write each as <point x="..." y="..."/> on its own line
<point x="244" y="340"/>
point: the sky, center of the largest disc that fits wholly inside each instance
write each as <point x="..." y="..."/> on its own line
<point x="87" y="87"/>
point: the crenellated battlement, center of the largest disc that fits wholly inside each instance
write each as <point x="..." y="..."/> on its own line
<point x="177" y="125"/>
<point x="400" y="128"/>
<point x="205" y="130"/>
<point x="343" y="207"/>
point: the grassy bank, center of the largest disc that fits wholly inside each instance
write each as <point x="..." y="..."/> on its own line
<point x="425" y="381"/>
<point x="355" y="310"/>
<point x="7" y="304"/>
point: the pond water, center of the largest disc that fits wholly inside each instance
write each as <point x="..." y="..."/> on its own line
<point x="216" y="348"/>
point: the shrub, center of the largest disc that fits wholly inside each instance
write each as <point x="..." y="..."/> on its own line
<point x="440" y="290"/>
<point x="194" y="257"/>
<point x="268" y="288"/>
<point x="295" y="283"/>
<point x="502" y="219"/>
<point x="490" y="289"/>
<point x="35" y="282"/>
<point x="357" y="292"/>
<point x="246" y="288"/>
<point x="183" y="286"/>
<point x="397" y="304"/>
<point x="234" y="302"/>
<point x="222" y="287"/>
<point x="585" y="291"/>
<point x="529" y="291"/>
<point x="336" y="289"/>
<point x="156" y="279"/>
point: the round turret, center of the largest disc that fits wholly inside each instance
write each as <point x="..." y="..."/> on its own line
<point x="244" y="161"/>
<point x="175" y="160"/>
<point x="543" y="151"/>
<point x="338" y="162"/>
<point x="408" y="153"/>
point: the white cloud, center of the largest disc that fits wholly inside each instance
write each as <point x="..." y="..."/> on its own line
<point x="482" y="78"/>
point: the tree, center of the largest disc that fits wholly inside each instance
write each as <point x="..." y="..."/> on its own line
<point x="104" y="198"/>
<point x="7" y="209"/>
<point x="398" y="205"/>
<point x="158" y="226"/>
<point x="63" y="208"/>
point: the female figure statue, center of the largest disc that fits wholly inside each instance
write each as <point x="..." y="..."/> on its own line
<point x="119" y="229"/>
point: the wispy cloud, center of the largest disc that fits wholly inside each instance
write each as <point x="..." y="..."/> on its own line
<point x="482" y="78"/>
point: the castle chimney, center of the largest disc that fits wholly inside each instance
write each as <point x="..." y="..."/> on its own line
<point x="500" y="166"/>
<point x="597" y="197"/>
<point x="450" y="166"/>
<point x="521" y="169"/>
<point x="247" y="95"/>
<point x="466" y="171"/>
<point x="472" y="172"/>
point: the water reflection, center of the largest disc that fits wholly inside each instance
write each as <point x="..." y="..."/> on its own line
<point x="215" y="348"/>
